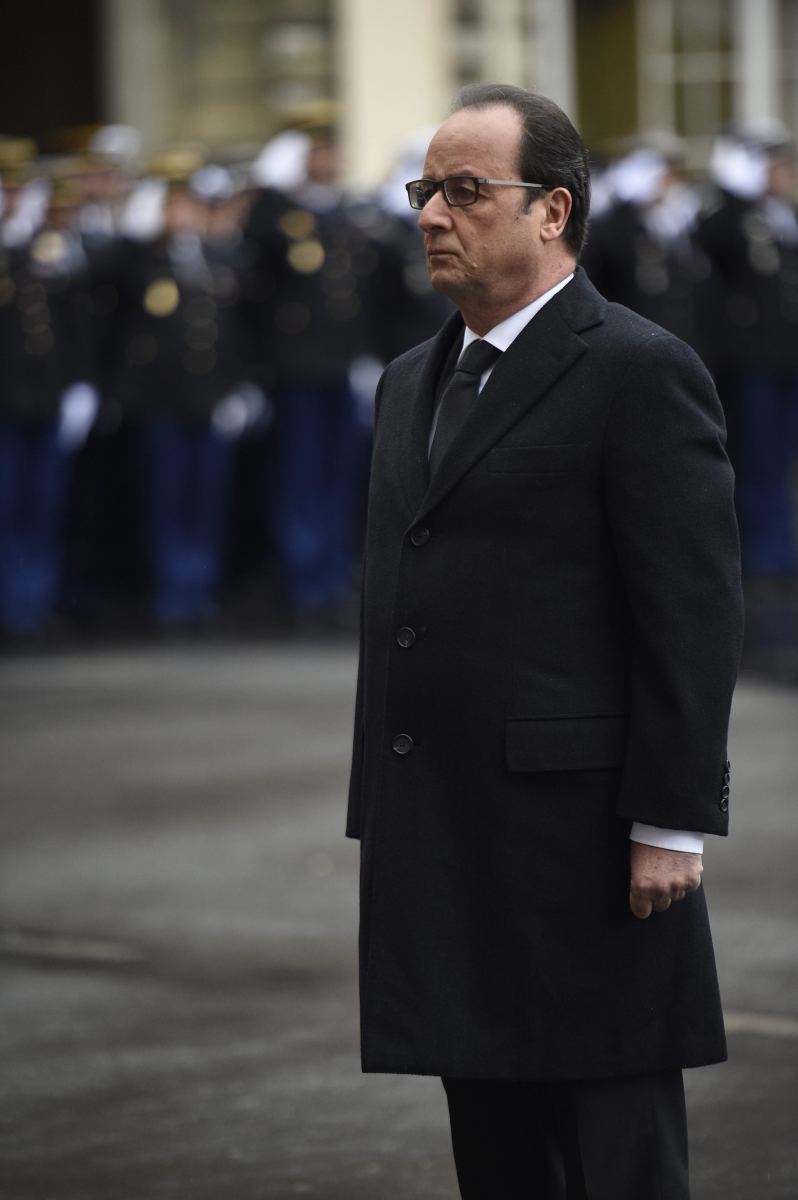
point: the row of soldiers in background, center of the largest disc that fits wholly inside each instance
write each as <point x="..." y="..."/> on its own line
<point x="718" y="266"/>
<point x="188" y="359"/>
<point x="188" y="363"/>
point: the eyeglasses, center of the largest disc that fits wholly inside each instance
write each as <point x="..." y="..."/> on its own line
<point x="458" y="190"/>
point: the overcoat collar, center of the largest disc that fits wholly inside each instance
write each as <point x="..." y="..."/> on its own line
<point x="541" y="353"/>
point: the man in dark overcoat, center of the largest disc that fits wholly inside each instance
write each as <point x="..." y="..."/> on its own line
<point x="551" y="630"/>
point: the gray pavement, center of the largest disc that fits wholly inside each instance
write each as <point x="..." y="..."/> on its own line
<point x="178" y="1009"/>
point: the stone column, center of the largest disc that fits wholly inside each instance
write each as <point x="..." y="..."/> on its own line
<point x="656" y="83"/>
<point x="552" y="69"/>
<point x="394" y="76"/>
<point x="758" y="60"/>
<point x="135" y="55"/>
<point x="503" y="42"/>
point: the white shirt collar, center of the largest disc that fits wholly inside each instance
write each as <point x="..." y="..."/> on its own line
<point x="504" y="334"/>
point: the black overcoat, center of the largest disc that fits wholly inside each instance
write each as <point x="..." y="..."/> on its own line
<point x="550" y="641"/>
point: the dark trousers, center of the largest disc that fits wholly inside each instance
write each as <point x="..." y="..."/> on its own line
<point x="322" y="450"/>
<point x="105" y="560"/>
<point x="598" y="1139"/>
<point x="765" y="443"/>
<point x="188" y="476"/>
<point x="34" y="478"/>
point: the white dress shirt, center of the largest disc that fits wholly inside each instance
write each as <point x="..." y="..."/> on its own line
<point x="502" y="336"/>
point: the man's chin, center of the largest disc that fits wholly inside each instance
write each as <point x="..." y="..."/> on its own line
<point x="444" y="273"/>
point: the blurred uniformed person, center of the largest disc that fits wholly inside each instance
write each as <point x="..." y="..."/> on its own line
<point x="410" y="311"/>
<point x="642" y="250"/>
<point x="316" y="315"/>
<point x="751" y="236"/>
<point x="108" y="177"/>
<point x="47" y="397"/>
<point x="104" y="564"/>
<point x="179" y="357"/>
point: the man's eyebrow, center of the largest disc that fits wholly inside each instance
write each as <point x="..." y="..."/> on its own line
<point x="462" y="171"/>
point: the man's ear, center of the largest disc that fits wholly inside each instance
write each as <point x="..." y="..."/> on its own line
<point x="558" y="209"/>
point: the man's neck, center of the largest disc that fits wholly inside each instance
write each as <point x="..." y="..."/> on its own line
<point x="482" y="313"/>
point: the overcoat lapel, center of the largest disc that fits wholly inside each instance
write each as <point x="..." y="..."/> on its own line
<point x="413" y="455"/>
<point x="540" y="354"/>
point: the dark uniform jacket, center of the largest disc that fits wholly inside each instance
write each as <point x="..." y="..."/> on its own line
<point x="408" y="309"/>
<point x="177" y="340"/>
<point x="46" y="340"/>
<point x="668" y="281"/>
<point x="550" y="641"/>
<point x="758" y="270"/>
<point x="315" y="290"/>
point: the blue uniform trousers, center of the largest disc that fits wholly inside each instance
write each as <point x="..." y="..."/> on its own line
<point x="765" y="444"/>
<point x="34" y="476"/>
<point x="322" y="464"/>
<point x="187" y="477"/>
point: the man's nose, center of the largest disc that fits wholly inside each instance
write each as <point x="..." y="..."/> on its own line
<point x="435" y="214"/>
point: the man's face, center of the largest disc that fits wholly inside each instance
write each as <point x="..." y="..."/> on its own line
<point x="323" y="163"/>
<point x="185" y="213"/>
<point x="488" y="246"/>
<point x="781" y="180"/>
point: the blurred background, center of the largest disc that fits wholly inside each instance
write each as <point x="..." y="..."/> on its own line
<point x="206" y="259"/>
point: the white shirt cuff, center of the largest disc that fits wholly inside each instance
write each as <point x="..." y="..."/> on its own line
<point x="668" y="839"/>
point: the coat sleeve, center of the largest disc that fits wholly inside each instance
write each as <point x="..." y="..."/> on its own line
<point x="669" y="492"/>
<point x="358" y="741"/>
<point x="358" y="744"/>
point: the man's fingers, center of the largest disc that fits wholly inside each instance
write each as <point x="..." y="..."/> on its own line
<point x="660" y="877"/>
<point x="640" y="905"/>
<point x="644" y="901"/>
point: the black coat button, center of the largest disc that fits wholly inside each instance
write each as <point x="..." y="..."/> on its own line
<point x="405" y="637"/>
<point x="723" y="804"/>
<point x="419" y="536"/>
<point x="402" y="743"/>
<point x="728" y="765"/>
<point x="724" y="791"/>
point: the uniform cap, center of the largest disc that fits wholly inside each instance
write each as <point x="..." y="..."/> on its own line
<point x="178" y="164"/>
<point x="638" y="178"/>
<point x="315" y="117"/>
<point x="118" y="143"/>
<point x="669" y="146"/>
<point x="65" y="194"/>
<point x="16" y="155"/>
<point x="283" y="162"/>
<point x="739" y="167"/>
<point x="212" y="183"/>
<point x="761" y="133"/>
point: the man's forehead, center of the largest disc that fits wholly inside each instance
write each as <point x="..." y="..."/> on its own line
<point x="477" y="140"/>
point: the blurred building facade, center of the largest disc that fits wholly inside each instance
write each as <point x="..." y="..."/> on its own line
<point x="223" y="72"/>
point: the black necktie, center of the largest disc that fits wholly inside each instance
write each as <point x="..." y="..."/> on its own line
<point x="458" y="398"/>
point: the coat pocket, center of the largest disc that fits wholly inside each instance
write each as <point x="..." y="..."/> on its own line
<point x="536" y="460"/>
<point x="566" y="743"/>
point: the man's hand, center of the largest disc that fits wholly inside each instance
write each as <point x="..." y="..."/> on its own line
<point x="660" y="876"/>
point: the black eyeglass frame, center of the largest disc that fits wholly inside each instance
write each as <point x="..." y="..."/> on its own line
<point x="476" y="180"/>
